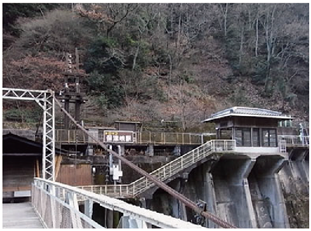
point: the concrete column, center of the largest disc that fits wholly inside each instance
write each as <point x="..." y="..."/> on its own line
<point x="302" y="167"/>
<point x="177" y="150"/>
<point x="232" y="192"/>
<point x="266" y="170"/>
<point x="146" y="204"/>
<point x="300" y="174"/>
<point x="150" y="150"/>
<point x="88" y="208"/>
<point x="122" y="149"/>
<point x="305" y="164"/>
<point x="210" y="197"/>
<point x="241" y="195"/>
<point x="109" y="218"/>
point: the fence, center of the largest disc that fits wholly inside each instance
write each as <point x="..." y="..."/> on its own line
<point x="166" y="171"/>
<point x="57" y="205"/>
<point x="294" y="141"/>
<point x="145" y="137"/>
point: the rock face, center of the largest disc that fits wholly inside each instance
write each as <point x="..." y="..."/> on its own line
<point x="294" y="178"/>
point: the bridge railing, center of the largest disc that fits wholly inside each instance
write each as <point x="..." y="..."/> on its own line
<point x="166" y="171"/>
<point x="147" y="137"/>
<point x="144" y="137"/>
<point x="291" y="141"/>
<point x="57" y="205"/>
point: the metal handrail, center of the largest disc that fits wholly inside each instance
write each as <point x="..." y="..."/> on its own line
<point x="57" y="205"/>
<point x="166" y="171"/>
<point x="144" y="137"/>
<point x="294" y="140"/>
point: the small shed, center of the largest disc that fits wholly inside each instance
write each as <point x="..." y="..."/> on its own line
<point x="128" y="126"/>
<point x="250" y="127"/>
<point x="22" y="159"/>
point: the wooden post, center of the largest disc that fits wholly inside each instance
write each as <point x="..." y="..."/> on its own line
<point x="37" y="168"/>
<point x="58" y="160"/>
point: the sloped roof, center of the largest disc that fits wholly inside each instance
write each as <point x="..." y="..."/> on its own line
<point x="248" y="112"/>
<point x="15" y="145"/>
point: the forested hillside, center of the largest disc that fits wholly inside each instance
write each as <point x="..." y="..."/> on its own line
<point x="172" y="62"/>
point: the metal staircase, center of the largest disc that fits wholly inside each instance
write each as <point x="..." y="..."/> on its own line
<point x="165" y="172"/>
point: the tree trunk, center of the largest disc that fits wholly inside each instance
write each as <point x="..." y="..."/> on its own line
<point x="135" y="57"/>
<point x="225" y="19"/>
<point x="256" y="46"/>
<point x="241" y="45"/>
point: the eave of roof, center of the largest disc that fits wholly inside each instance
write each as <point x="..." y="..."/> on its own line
<point x="246" y="115"/>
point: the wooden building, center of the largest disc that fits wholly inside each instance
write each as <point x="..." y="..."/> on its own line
<point x="250" y="127"/>
<point x="22" y="161"/>
<point x="128" y="126"/>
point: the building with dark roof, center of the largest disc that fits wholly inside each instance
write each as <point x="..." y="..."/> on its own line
<point x="250" y="127"/>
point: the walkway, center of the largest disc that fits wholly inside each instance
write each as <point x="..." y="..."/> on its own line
<point x="20" y="216"/>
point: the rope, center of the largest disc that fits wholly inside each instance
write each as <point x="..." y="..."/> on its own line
<point x="190" y="204"/>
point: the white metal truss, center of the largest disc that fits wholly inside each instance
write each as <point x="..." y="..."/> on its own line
<point x="45" y="100"/>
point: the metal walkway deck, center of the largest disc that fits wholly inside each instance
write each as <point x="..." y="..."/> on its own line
<point x="20" y="216"/>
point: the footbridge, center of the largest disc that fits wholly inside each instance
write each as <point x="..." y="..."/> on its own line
<point x="64" y="206"/>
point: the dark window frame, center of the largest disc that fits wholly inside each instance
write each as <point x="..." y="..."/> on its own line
<point x="269" y="140"/>
<point x="243" y="136"/>
<point x="258" y="140"/>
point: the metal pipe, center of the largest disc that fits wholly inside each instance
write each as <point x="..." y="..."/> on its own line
<point x="190" y="204"/>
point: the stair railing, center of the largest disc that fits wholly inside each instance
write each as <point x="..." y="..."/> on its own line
<point x="166" y="171"/>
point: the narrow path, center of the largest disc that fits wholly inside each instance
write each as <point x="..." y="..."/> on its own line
<point x="20" y="216"/>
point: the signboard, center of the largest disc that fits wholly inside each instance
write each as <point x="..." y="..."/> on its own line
<point x="115" y="136"/>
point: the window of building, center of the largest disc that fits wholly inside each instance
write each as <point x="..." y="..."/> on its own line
<point x="226" y="133"/>
<point x="269" y="137"/>
<point x="243" y="137"/>
<point x="255" y="137"/>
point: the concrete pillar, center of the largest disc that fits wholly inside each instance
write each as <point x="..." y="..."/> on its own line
<point x="261" y="208"/>
<point x="266" y="170"/>
<point x="178" y="208"/>
<point x="232" y="192"/>
<point x="305" y="164"/>
<point x="302" y="167"/>
<point x="122" y="150"/>
<point x="146" y="204"/>
<point x="109" y="218"/>
<point x="90" y="150"/>
<point x="299" y="172"/>
<point x="241" y="194"/>
<point x="88" y="208"/>
<point x="150" y="150"/>
<point x="210" y="197"/>
<point x="177" y="150"/>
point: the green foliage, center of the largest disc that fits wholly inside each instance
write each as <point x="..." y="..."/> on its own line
<point x="23" y="115"/>
<point x="107" y="89"/>
<point x="260" y="71"/>
<point x="102" y="57"/>
<point x="146" y="46"/>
